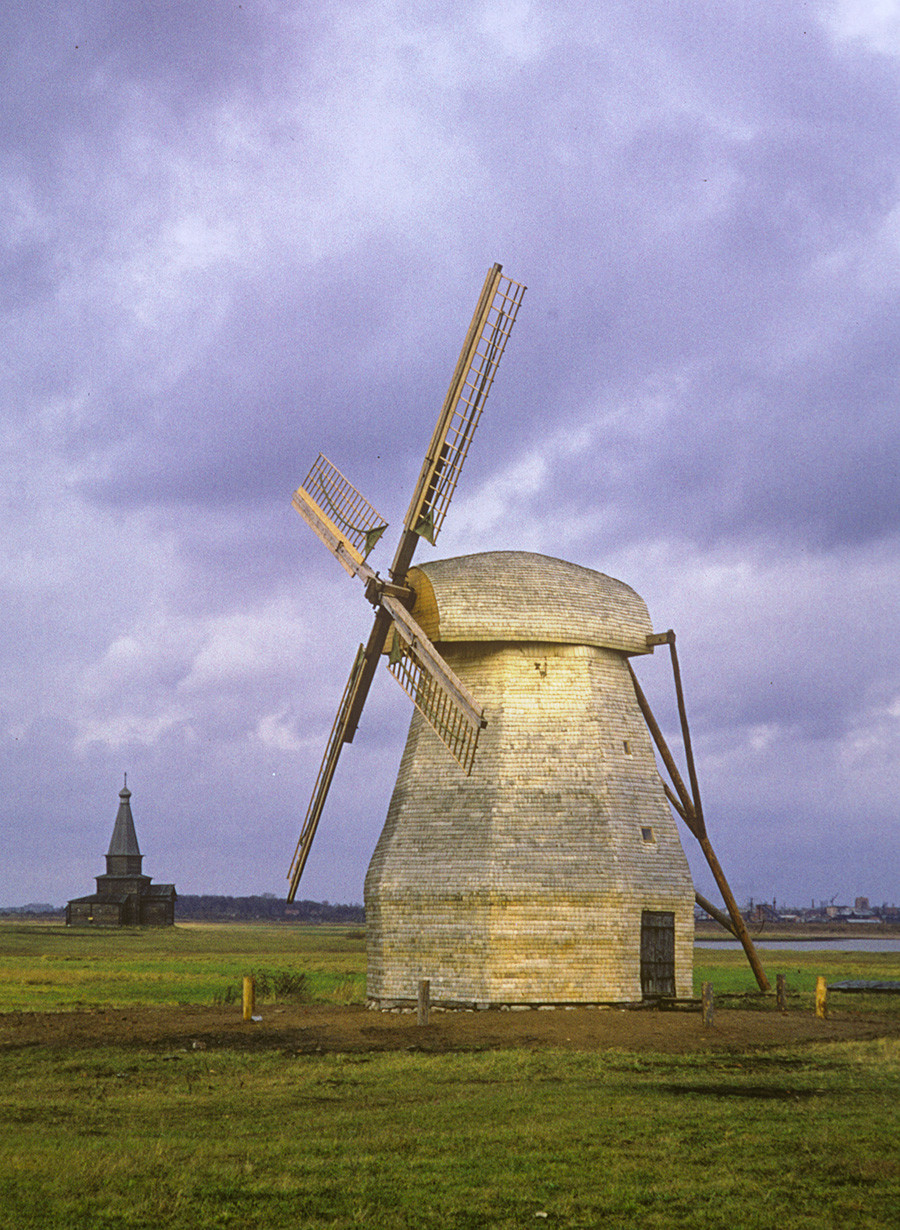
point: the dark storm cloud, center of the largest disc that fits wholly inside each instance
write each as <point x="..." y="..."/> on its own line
<point x="236" y="234"/>
<point x="301" y="361"/>
<point x="71" y="58"/>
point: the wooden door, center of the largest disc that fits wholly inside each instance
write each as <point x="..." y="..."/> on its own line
<point x="657" y="953"/>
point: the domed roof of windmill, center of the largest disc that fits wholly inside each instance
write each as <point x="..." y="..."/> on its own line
<point x="522" y="596"/>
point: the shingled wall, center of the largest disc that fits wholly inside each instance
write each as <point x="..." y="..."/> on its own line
<point x="526" y="882"/>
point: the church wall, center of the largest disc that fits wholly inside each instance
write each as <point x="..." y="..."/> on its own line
<point x="94" y="914"/>
<point x="156" y="913"/>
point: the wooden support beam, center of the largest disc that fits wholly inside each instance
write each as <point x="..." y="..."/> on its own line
<point x="714" y="912"/>
<point x="663" y="749"/>
<point x="685" y="732"/>
<point x="693" y="817"/>
<point x="740" y="927"/>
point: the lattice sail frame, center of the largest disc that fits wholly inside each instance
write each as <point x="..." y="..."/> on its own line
<point x="434" y="688"/>
<point x="456" y="729"/>
<point x="478" y="362"/>
<point x="347" y="522"/>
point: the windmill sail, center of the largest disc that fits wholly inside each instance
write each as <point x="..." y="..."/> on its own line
<point x="349" y="526"/>
<point x="335" y="511"/>
<point x="426" y="678"/>
<point x="442" y="699"/>
<point x="323" y="781"/>
<point x="481" y="353"/>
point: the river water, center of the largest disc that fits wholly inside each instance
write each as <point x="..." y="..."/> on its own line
<point x="850" y="944"/>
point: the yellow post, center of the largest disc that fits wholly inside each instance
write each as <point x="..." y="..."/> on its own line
<point x="821" y="998"/>
<point x="249" y="997"/>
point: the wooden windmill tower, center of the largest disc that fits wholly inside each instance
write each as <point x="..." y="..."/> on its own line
<point x="547" y="868"/>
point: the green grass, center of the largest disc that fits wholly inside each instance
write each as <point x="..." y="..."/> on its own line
<point x="49" y="967"/>
<point x="729" y="973"/>
<point x="114" y="1137"/>
<point x="119" y="1138"/>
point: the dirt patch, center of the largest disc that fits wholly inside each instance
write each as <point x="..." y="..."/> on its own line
<point x="318" y="1029"/>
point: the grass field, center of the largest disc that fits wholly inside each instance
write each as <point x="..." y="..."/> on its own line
<point x="728" y="971"/>
<point x="108" y="1136"/>
<point x="46" y="967"/>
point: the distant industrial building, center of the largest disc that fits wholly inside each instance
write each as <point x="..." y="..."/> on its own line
<point x="124" y="897"/>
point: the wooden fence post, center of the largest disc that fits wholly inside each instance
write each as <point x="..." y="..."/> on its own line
<point x="249" y="997"/>
<point x="821" y="998"/>
<point x="780" y="993"/>
<point x="706" y="993"/>
<point x="424" y="1002"/>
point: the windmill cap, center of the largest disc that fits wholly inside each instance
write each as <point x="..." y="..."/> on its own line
<point x="521" y="596"/>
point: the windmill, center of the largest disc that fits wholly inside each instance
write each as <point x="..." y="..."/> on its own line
<point x="549" y="868"/>
<point x="350" y="527"/>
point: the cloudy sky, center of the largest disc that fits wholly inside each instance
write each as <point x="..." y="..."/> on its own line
<point x="236" y="234"/>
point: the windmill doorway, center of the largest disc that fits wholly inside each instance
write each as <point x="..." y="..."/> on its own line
<point x="657" y="953"/>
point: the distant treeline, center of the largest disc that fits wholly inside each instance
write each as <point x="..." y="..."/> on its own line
<point x="36" y="909"/>
<point x="224" y="909"/>
<point x="276" y="909"/>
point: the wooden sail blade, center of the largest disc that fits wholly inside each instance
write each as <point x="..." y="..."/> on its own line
<point x="451" y="724"/>
<point x="436" y="691"/>
<point x="335" y="511"/>
<point x="325" y="776"/>
<point x="368" y="666"/>
<point x="482" y="350"/>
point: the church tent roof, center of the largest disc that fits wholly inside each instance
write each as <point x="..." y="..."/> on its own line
<point x="124" y="839"/>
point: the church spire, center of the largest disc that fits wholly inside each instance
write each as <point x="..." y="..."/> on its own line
<point x="124" y="855"/>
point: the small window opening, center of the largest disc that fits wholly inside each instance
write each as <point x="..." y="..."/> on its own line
<point x="627" y="746"/>
<point x="647" y="832"/>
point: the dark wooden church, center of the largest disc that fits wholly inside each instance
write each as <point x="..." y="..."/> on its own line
<point x="124" y="897"/>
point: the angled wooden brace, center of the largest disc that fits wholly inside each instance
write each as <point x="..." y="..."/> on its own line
<point x="688" y="805"/>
